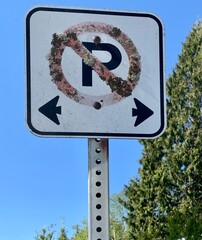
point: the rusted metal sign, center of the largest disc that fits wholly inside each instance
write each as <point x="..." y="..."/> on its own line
<point x="94" y="73"/>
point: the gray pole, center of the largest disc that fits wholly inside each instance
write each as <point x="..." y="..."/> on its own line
<point x="98" y="189"/>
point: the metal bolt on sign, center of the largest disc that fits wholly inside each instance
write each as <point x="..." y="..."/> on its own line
<point x="98" y="189"/>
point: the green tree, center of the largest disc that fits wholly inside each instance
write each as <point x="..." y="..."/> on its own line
<point x="63" y="234"/>
<point x="169" y="186"/>
<point x="81" y="231"/>
<point x="46" y="234"/>
<point x="118" y="227"/>
<point x="187" y="224"/>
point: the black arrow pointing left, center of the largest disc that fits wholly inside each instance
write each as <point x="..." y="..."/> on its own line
<point x="50" y="110"/>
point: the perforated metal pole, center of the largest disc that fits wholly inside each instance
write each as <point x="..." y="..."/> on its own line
<point x="98" y="189"/>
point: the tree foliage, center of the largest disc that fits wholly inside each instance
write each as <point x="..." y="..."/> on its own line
<point x="118" y="227"/>
<point x="48" y="234"/>
<point x="81" y="231"/>
<point x="165" y="201"/>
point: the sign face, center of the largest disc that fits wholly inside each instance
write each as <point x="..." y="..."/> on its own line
<point x="94" y="73"/>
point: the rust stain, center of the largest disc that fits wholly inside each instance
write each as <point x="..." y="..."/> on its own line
<point x="104" y="144"/>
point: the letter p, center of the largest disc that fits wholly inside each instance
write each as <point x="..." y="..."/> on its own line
<point x="112" y="64"/>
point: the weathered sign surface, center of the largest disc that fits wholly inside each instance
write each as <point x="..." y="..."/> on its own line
<point x="94" y="73"/>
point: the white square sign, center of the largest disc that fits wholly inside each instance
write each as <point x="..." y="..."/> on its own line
<point x="94" y="73"/>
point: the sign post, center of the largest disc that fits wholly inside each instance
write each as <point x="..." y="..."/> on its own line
<point x="97" y="74"/>
<point x="98" y="189"/>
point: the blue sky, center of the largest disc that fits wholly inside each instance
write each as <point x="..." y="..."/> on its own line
<point x="44" y="180"/>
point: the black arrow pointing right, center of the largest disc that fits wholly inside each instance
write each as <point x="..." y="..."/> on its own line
<point x="50" y="110"/>
<point x="142" y="112"/>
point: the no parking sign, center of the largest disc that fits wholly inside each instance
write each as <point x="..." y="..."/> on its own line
<point x="94" y="73"/>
